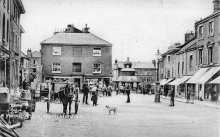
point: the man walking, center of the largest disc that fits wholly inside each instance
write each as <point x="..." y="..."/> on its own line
<point x="85" y="92"/>
<point x="127" y="89"/>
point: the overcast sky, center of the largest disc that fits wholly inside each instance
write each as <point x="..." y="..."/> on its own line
<point x="136" y="28"/>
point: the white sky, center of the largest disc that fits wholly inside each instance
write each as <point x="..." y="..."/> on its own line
<point x="136" y="28"/>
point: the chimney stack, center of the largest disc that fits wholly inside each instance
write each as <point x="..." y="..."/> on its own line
<point x="189" y="36"/>
<point x="216" y="5"/>
<point x="29" y="53"/>
<point x="86" y="30"/>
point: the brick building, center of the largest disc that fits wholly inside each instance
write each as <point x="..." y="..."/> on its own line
<point x="76" y="56"/>
<point x="10" y="43"/>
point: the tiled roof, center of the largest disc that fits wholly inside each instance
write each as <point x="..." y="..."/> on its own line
<point x="75" y="39"/>
<point x="35" y="54"/>
<point x="137" y="65"/>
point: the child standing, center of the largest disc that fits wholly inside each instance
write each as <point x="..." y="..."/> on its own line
<point x="94" y="99"/>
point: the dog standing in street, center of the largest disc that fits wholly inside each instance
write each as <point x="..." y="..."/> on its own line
<point x="111" y="109"/>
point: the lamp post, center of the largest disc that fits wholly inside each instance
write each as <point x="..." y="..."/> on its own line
<point x="157" y="92"/>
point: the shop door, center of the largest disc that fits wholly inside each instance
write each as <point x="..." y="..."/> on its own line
<point x="77" y="81"/>
<point x="106" y="81"/>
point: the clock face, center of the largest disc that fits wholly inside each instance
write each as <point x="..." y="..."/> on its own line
<point x="127" y="66"/>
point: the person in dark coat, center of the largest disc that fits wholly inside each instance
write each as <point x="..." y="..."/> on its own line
<point x="24" y="84"/>
<point x="85" y="92"/>
<point x="172" y="95"/>
<point x="127" y="89"/>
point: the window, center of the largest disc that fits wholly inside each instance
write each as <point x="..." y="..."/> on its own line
<point x="97" y="52"/>
<point x="76" y="67"/>
<point x="190" y="62"/>
<point x="4" y="2"/>
<point x="211" y="28"/>
<point x="210" y="54"/>
<point x="168" y="57"/>
<point x="150" y="73"/>
<point x="56" y="68"/>
<point x="150" y="79"/>
<point x="34" y="69"/>
<point x="178" y="68"/>
<point x="172" y="72"/>
<point x="200" y="32"/>
<point x="200" y="56"/>
<point x="168" y="73"/>
<point x="3" y="27"/>
<point x="56" y="50"/>
<point x="146" y="72"/>
<point x="35" y="61"/>
<point x="8" y="5"/>
<point x="182" y="67"/>
<point x="7" y="37"/>
<point x="97" y="68"/>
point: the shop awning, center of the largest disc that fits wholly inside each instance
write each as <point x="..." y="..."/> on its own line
<point x="169" y="80"/>
<point x="180" y="80"/>
<point x="208" y="75"/>
<point x="215" y="81"/>
<point x="127" y="79"/>
<point x="163" y="81"/>
<point x="194" y="79"/>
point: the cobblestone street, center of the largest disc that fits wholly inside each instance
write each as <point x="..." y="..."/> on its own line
<point x="142" y="117"/>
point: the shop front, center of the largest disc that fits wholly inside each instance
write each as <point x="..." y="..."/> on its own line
<point x="192" y="83"/>
<point x="215" y="94"/>
<point x="165" y="86"/>
<point x="4" y="69"/>
<point x="101" y="80"/>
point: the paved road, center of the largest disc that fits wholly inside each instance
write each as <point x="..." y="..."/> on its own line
<point x="141" y="118"/>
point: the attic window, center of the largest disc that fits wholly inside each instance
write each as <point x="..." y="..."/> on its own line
<point x="56" y="50"/>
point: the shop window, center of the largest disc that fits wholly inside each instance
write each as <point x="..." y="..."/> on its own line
<point x="97" y="68"/>
<point x="56" y="50"/>
<point x="56" y="68"/>
<point x="190" y="62"/>
<point x="210" y="52"/>
<point x="97" y="52"/>
<point x="76" y="67"/>
<point x="200" y="56"/>
<point x="211" y="28"/>
<point x="200" y="32"/>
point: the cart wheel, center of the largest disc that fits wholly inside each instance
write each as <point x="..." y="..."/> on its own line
<point x="76" y="108"/>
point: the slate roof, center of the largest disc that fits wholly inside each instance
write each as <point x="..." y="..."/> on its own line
<point x="189" y="45"/>
<point x="75" y="39"/>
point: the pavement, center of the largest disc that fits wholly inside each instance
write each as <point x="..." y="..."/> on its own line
<point x="140" y="118"/>
<point x="197" y="102"/>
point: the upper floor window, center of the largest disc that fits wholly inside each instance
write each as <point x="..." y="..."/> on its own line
<point x="182" y="67"/>
<point x="200" y="31"/>
<point x="211" y="28"/>
<point x="149" y="72"/>
<point x="3" y="27"/>
<point x="168" y="58"/>
<point x="150" y="79"/>
<point x="35" y="61"/>
<point x="96" y="68"/>
<point x="76" y="67"/>
<point x="190" y="62"/>
<point x="168" y="73"/>
<point x="178" y="68"/>
<point x="56" y="68"/>
<point x="7" y="31"/>
<point x="210" y="52"/>
<point x="200" y="56"/>
<point x="97" y="52"/>
<point x="146" y="72"/>
<point x="56" y="50"/>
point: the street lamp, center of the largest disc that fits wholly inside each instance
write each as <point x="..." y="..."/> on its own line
<point x="157" y="92"/>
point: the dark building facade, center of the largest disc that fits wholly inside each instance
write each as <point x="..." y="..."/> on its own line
<point x="76" y="56"/>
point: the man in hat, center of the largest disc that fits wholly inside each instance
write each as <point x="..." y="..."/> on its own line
<point x="85" y="91"/>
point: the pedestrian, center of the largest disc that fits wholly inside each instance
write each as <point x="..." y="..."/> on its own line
<point x="117" y="90"/>
<point x="85" y="93"/>
<point x="172" y="95"/>
<point x="103" y="90"/>
<point x="24" y="84"/>
<point x="200" y="95"/>
<point x="188" y="95"/>
<point x="127" y="89"/>
<point x="94" y="99"/>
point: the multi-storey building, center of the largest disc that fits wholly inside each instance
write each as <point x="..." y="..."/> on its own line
<point x="34" y="61"/>
<point x="143" y="73"/>
<point x="198" y="59"/>
<point x="76" y="56"/>
<point x="10" y="35"/>
<point x="24" y="68"/>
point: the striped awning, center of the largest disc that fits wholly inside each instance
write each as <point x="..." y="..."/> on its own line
<point x="127" y="79"/>
<point x="180" y="80"/>
<point x="215" y="81"/>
